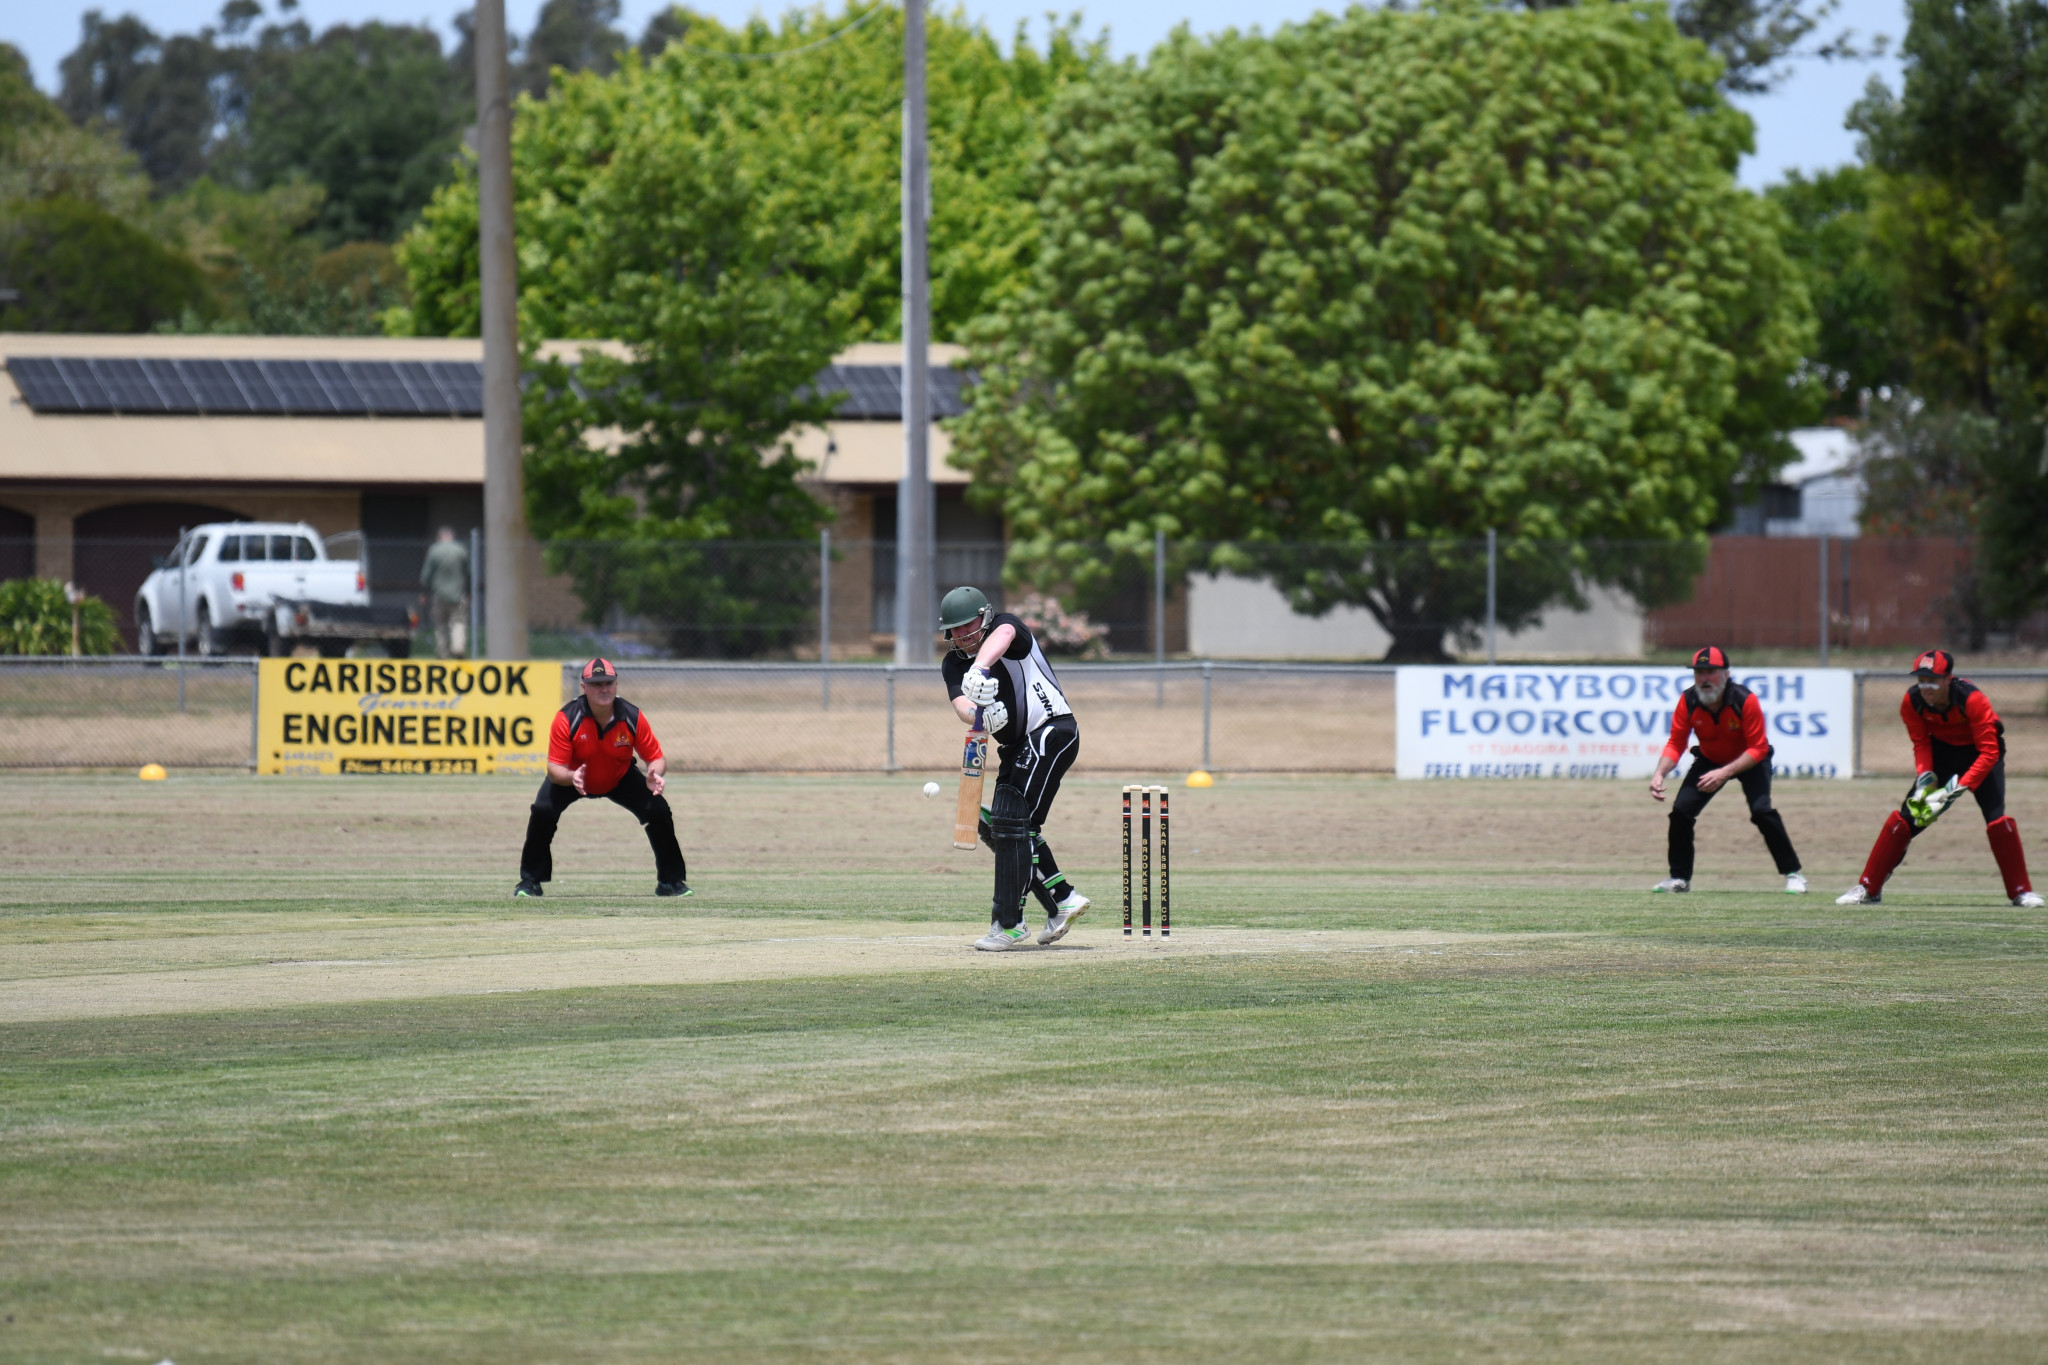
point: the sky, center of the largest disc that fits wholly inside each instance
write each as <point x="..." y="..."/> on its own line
<point x="1798" y="125"/>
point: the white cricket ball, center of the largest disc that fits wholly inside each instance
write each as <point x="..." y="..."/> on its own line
<point x="931" y="789"/>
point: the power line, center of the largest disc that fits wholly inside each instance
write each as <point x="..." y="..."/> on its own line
<point x="783" y="52"/>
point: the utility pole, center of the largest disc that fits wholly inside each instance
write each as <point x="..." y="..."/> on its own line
<point x="916" y="595"/>
<point x="504" y="483"/>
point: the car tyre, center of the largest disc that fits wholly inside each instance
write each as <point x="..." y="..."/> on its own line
<point x="273" y="643"/>
<point x="146" y="641"/>
<point x="208" y="639"/>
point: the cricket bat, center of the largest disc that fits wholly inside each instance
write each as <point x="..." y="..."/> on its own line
<point x="973" y="761"/>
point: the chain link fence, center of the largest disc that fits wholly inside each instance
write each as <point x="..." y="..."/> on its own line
<point x="118" y="714"/>
<point x="835" y="596"/>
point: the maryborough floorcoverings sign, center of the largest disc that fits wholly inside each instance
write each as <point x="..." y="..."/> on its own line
<point x="405" y="716"/>
<point x="1533" y="721"/>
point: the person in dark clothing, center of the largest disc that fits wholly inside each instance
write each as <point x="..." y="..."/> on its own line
<point x="1724" y="723"/>
<point x="590" y="753"/>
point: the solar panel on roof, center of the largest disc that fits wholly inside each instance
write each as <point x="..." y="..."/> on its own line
<point x="248" y="376"/>
<point x="170" y="387"/>
<point x="126" y="383"/>
<point x="42" y="385"/>
<point x="463" y="383"/>
<point x="334" y="378"/>
<point x="426" y="394"/>
<point x="92" y="395"/>
<point x="300" y="393"/>
<point x="383" y="392"/>
<point x="212" y="388"/>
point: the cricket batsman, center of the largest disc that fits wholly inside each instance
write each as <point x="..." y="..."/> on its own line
<point x="1724" y="722"/>
<point x="997" y="675"/>
<point x="590" y="753"/>
<point x="1958" y="746"/>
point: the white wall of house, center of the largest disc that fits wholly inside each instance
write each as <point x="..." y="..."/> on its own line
<point x="1243" y="618"/>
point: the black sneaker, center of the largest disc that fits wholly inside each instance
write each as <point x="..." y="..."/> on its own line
<point x="672" y="889"/>
<point x="526" y="887"/>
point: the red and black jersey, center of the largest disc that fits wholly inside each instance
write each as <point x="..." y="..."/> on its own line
<point x="1967" y="722"/>
<point x="1723" y="733"/>
<point x="605" y="753"/>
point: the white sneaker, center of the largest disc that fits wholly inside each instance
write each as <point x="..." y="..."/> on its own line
<point x="2028" y="900"/>
<point x="1673" y="884"/>
<point x="1057" y="924"/>
<point x="1857" y="895"/>
<point x="1001" y="940"/>
<point x="1795" y="884"/>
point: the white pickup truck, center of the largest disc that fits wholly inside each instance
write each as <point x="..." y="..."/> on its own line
<point x="267" y="583"/>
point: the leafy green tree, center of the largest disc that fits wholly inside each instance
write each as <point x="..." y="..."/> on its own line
<point x="825" y="124"/>
<point x="1389" y="278"/>
<point x="43" y="156"/>
<point x="1830" y="235"/>
<point x="370" y="113"/>
<point x="74" y="267"/>
<point x="570" y="35"/>
<point x="36" y="617"/>
<point x="162" y="96"/>
<point x="1962" y="216"/>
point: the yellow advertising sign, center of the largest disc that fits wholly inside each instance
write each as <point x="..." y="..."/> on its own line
<point x="318" y="716"/>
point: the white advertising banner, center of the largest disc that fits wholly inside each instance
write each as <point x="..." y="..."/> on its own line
<point x="1527" y="721"/>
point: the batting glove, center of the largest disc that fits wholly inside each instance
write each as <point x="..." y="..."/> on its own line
<point x="978" y="687"/>
<point x="994" y="717"/>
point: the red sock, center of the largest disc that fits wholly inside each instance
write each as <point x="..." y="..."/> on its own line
<point x="1887" y="853"/>
<point x="2012" y="859"/>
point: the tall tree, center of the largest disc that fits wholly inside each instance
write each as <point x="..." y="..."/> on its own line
<point x="825" y="123"/>
<point x="1389" y="278"/>
<point x="1830" y="235"/>
<point x="163" y="96"/>
<point x="571" y="35"/>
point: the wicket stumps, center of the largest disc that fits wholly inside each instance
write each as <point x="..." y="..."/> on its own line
<point x="1144" y="850"/>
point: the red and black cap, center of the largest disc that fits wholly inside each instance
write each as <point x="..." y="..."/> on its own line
<point x="1935" y="663"/>
<point x="600" y="671"/>
<point x="1713" y="656"/>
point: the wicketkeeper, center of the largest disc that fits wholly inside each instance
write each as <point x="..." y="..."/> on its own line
<point x="1958" y="746"/>
<point x="590" y="753"/>
<point x="1724" y="722"/>
<point x="997" y="676"/>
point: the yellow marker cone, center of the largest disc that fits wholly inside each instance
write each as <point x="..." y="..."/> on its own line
<point x="1198" y="778"/>
<point x="152" y="772"/>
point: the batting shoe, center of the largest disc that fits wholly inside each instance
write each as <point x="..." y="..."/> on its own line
<point x="1062" y="919"/>
<point x="673" y="889"/>
<point x="526" y="887"/>
<point x="1673" y="884"/>
<point x="1795" y="884"/>
<point x="1001" y="940"/>
<point x="2025" y="900"/>
<point x="1859" y="894"/>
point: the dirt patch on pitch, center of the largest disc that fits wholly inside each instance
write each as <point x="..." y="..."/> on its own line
<point x="262" y="970"/>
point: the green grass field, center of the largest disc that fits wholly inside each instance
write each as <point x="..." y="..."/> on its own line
<point x="1423" y="1075"/>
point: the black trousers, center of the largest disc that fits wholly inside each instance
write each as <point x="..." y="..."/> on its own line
<point x="537" y="859"/>
<point x="1756" y="789"/>
<point x="1953" y="760"/>
<point x="1034" y="769"/>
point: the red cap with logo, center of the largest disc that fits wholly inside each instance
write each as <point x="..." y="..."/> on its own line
<point x="1937" y="663"/>
<point x="600" y="671"/>
<point x="1710" y="657"/>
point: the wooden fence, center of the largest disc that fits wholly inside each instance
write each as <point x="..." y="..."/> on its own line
<point x="1765" y="592"/>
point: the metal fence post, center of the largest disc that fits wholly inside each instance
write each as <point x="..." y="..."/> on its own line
<point x="1159" y="613"/>
<point x="476" y="591"/>
<point x="184" y="612"/>
<point x="889" y="674"/>
<point x="1856" y="681"/>
<point x="825" y="620"/>
<point x="1823" y="601"/>
<point x="255" y="694"/>
<point x="1492" y="580"/>
<point x="1208" y="670"/>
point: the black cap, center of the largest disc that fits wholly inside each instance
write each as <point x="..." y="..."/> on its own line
<point x="600" y="671"/>
<point x="1713" y="656"/>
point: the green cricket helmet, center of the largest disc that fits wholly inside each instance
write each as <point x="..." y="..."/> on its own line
<point x="963" y="605"/>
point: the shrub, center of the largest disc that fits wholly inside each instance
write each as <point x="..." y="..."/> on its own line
<point x="35" y="618"/>
<point x="1060" y="631"/>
